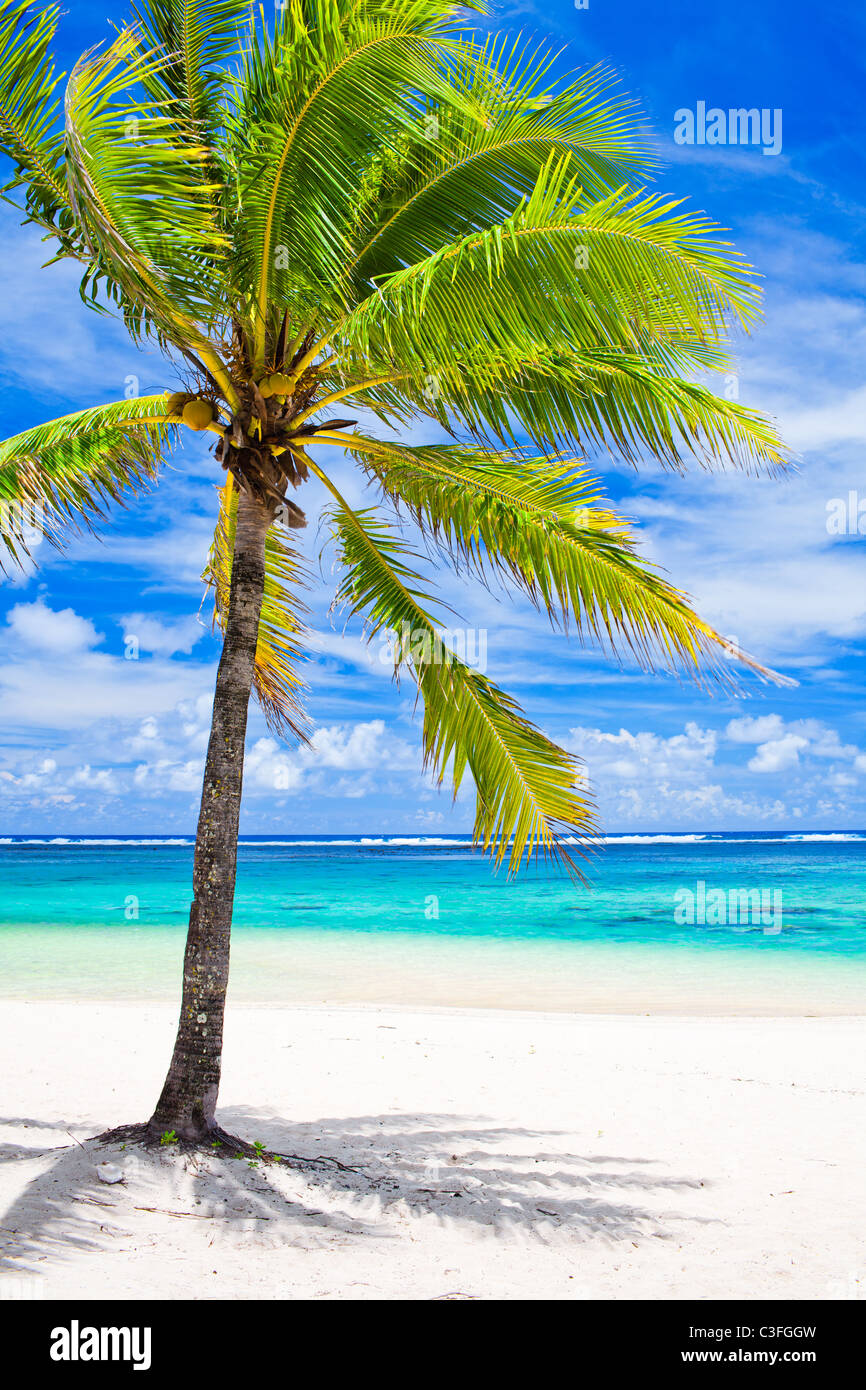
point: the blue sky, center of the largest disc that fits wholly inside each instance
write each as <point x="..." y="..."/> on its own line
<point x="92" y="741"/>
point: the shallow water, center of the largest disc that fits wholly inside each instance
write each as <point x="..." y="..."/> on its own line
<point x="779" y="925"/>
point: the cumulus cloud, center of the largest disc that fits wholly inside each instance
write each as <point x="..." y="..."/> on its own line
<point x="701" y="776"/>
<point x="165" y="775"/>
<point x="149" y="634"/>
<point x="639" y="776"/>
<point x="270" y="768"/>
<point x="365" y="745"/>
<point x="42" y="783"/>
<point x="780" y="743"/>
<point x="36" y="626"/>
<point x="52" y="675"/>
<point x="164" y="757"/>
<point x="368" y="748"/>
<point x="648" y="755"/>
<point x="778" y="754"/>
<point x="754" y="730"/>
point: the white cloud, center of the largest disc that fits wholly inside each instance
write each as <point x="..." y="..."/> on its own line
<point x="780" y="743"/>
<point x="101" y="779"/>
<point x="162" y="638"/>
<point x="165" y="775"/>
<point x="51" y="677"/>
<point x="366" y="748"/>
<point x="699" y="776"/>
<point x="62" y="632"/>
<point x="166" y="756"/>
<point x="271" y="768"/>
<point x="645" y="755"/>
<point x="365" y="745"/>
<point x="778" y="754"/>
<point x="754" y="730"/>
<point x="840" y="421"/>
<point x="354" y="651"/>
<point x="45" y="783"/>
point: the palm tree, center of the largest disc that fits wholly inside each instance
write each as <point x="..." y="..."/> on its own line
<point x="364" y="208"/>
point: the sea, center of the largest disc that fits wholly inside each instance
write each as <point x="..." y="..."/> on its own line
<point x="753" y="924"/>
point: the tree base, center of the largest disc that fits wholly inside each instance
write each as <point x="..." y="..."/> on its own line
<point x="218" y="1143"/>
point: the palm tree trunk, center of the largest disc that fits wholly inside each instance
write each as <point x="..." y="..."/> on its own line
<point x="188" y="1101"/>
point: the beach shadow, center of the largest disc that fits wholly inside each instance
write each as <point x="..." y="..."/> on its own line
<point x="372" y="1170"/>
<point x="461" y="1168"/>
<point x="66" y="1207"/>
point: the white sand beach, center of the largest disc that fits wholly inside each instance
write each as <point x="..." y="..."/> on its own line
<point x="486" y="1155"/>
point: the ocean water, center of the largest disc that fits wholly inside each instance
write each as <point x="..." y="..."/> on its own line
<point x="743" y="924"/>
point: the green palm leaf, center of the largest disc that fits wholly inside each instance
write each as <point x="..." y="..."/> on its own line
<point x="140" y="200"/>
<point x="465" y="171"/>
<point x="29" y="103"/>
<point x="199" y="39"/>
<point x="544" y="525"/>
<point x="530" y="796"/>
<point x="70" y="469"/>
<point x="316" y="103"/>
<point x="600" y="340"/>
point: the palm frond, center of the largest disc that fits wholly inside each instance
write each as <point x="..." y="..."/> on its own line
<point x="316" y="102"/>
<point x="572" y="272"/>
<point x="199" y="39"/>
<point x="69" y="469"/>
<point x="600" y="302"/>
<point x="529" y="793"/>
<point x="29" y="103"/>
<point x="468" y="170"/>
<point x="544" y="525"/>
<point x="634" y="404"/>
<point x="140" y="201"/>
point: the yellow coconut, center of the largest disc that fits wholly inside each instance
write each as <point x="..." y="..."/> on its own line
<point x="175" y="401"/>
<point x="197" y="414"/>
<point x="265" y="387"/>
<point x="280" y="384"/>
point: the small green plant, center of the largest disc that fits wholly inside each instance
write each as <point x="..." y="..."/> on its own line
<point x="259" y="1148"/>
<point x="169" y="1137"/>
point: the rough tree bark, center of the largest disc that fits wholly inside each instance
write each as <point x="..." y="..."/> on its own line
<point x="187" y="1104"/>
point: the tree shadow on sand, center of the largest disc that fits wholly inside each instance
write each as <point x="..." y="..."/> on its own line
<point x="353" y="1177"/>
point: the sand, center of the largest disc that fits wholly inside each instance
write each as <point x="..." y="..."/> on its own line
<point x="486" y="1155"/>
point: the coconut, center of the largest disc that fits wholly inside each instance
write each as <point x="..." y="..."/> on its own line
<point x="265" y="388"/>
<point x="280" y="384"/>
<point x="175" y="401"/>
<point x="197" y="414"/>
